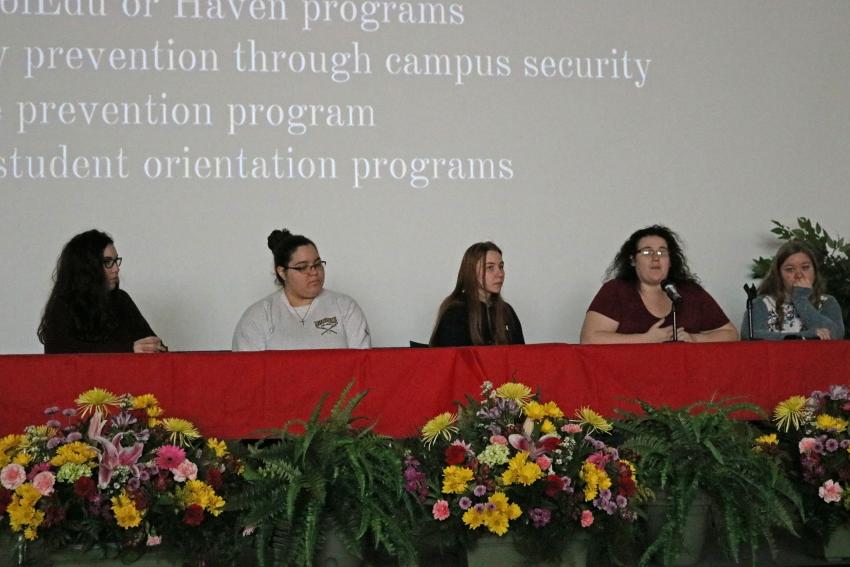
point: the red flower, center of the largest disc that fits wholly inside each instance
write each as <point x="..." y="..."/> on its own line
<point x="194" y="515"/>
<point x="85" y="488"/>
<point x="455" y="455"/>
<point x="550" y="444"/>
<point x="554" y="485"/>
<point x="214" y="478"/>
<point x="140" y="501"/>
<point x="53" y="515"/>
<point x="5" y="498"/>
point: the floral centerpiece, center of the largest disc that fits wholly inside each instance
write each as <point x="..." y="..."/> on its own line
<point x="511" y="464"/>
<point x="815" y="430"/>
<point x="115" y="469"/>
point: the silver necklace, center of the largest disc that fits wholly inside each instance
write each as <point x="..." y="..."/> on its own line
<point x="298" y="315"/>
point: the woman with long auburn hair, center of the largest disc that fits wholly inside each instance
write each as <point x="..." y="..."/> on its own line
<point x="792" y="299"/>
<point x="474" y="313"/>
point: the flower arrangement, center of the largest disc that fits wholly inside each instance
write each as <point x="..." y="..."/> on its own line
<point x="114" y="469"/>
<point x="511" y="464"/>
<point x="815" y="430"/>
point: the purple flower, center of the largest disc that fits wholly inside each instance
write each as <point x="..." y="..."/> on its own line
<point x="605" y="494"/>
<point x="838" y="392"/>
<point x="464" y="503"/>
<point x="53" y="442"/>
<point x="73" y="436"/>
<point x="845" y="443"/>
<point x="69" y="412"/>
<point x="540" y="517"/>
<point x="479" y="508"/>
<point x="622" y="501"/>
<point x="54" y="424"/>
<point x="490" y="506"/>
<point x="818" y="447"/>
<point x="831" y="445"/>
<point x="479" y="490"/>
<point x="51" y="410"/>
<point x="123" y="419"/>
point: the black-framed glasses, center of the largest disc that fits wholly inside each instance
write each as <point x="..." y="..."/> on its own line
<point x="660" y="253"/>
<point x="318" y="267"/>
<point x="109" y="261"/>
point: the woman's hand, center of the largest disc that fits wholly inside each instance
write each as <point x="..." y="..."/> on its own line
<point x="149" y="344"/>
<point x="823" y="334"/>
<point x="659" y="334"/>
<point x="804" y="280"/>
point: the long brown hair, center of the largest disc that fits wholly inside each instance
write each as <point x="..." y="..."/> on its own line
<point x="467" y="291"/>
<point x="772" y="285"/>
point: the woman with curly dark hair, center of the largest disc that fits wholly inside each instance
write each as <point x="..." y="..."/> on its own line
<point x="632" y="306"/>
<point x="86" y="311"/>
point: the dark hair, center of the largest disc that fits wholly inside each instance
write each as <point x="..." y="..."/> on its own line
<point x="80" y="284"/>
<point x="623" y="267"/>
<point x="772" y="284"/>
<point x="283" y="243"/>
<point x="467" y="291"/>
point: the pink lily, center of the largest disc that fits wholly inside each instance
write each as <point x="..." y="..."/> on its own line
<point x="114" y="455"/>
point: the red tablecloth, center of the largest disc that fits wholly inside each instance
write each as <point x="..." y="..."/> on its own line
<point x="232" y="395"/>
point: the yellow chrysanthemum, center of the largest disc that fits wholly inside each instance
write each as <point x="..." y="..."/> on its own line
<point x="181" y="431"/>
<point x="520" y="393"/>
<point x="552" y="410"/>
<point x="595" y="479"/>
<point x="770" y="439"/>
<point x="442" y="425"/>
<point x="495" y="514"/>
<point x="547" y="427"/>
<point x="202" y="494"/>
<point x="596" y="422"/>
<point x="831" y="423"/>
<point x="789" y="412"/>
<point x="520" y="471"/>
<point x="218" y="447"/>
<point x="22" y="459"/>
<point x="8" y="446"/>
<point x="145" y="401"/>
<point x="455" y="479"/>
<point x="76" y="452"/>
<point x="23" y="515"/>
<point x="124" y="509"/>
<point x="96" y="400"/>
<point x="535" y="411"/>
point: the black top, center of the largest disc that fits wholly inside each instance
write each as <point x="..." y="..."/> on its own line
<point x="61" y="337"/>
<point x="453" y="328"/>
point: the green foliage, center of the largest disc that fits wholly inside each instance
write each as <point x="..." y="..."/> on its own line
<point x="834" y="260"/>
<point x="700" y="449"/>
<point x="330" y="474"/>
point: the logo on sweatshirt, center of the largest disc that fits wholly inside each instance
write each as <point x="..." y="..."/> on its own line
<point x="326" y="325"/>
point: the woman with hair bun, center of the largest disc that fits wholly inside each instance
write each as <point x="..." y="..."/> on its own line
<point x="792" y="301"/>
<point x="303" y="315"/>
<point x="86" y="311"/>
<point x="632" y="307"/>
<point x="475" y="313"/>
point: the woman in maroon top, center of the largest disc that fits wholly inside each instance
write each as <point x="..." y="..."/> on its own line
<point x="632" y="307"/>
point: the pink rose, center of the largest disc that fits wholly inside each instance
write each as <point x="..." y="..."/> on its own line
<point x="440" y="510"/>
<point x="543" y="462"/>
<point x="153" y="540"/>
<point x="187" y="470"/>
<point x="12" y="476"/>
<point x="830" y="491"/>
<point x="571" y="428"/>
<point x="498" y="440"/>
<point x="586" y="518"/>
<point x="43" y="482"/>
<point x="807" y="445"/>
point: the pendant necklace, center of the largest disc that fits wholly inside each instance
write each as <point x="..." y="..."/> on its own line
<point x="306" y="312"/>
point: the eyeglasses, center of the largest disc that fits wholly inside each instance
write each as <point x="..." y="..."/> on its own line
<point x="318" y="267"/>
<point x="647" y="252"/>
<point x="109" y="261"/>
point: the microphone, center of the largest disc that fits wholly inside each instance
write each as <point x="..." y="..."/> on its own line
<point x="671" y="291"/>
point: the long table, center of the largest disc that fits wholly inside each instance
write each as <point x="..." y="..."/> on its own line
<point x="234" y="395"/>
